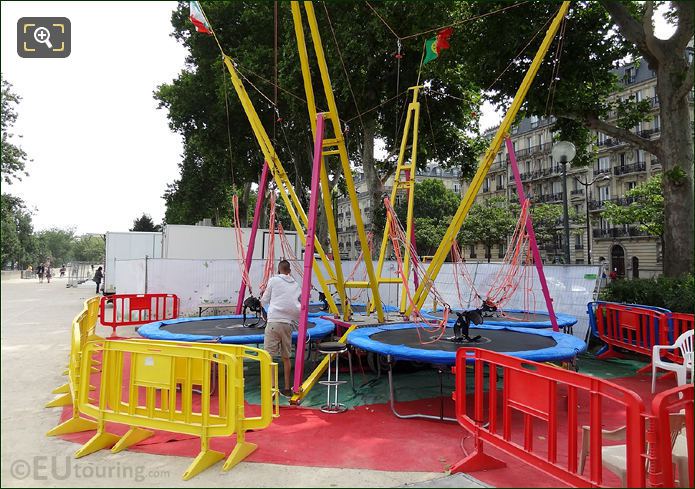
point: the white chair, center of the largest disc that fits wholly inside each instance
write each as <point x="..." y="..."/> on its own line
<point x="614" y="458"/>
<point x="685" y="343"/>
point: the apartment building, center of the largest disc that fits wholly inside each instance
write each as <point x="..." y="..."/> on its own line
<point x="619" y="167"/>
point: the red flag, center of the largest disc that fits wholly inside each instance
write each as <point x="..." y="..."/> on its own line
<point x="198" y="18"/>
<point x="443" y="39"/>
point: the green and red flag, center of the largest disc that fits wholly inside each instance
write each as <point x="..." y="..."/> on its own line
<point x="437" y="44"/>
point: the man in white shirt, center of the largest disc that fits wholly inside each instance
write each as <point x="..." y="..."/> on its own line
<point x="282" y="301"/>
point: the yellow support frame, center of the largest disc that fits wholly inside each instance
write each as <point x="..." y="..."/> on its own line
<point x="408" y="184"/>
<point x="314" y="376"/>
<point x="477" y="182"/>
<point x="332" y="146"/>
<point x="289" y="197"/>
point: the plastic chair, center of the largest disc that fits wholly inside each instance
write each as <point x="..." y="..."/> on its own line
<point x="685" y="344"/>
<point x="613" y="457"/>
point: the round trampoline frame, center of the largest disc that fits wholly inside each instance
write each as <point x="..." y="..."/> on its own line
<point x="567" y="346"/>
<point x="564" y="321"/>
<point x="320" y="329"/>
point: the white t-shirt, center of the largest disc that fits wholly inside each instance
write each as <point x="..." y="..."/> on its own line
<point x="282" y="293"/>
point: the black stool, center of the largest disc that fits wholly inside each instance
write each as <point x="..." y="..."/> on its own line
<point x="334" y="348"/>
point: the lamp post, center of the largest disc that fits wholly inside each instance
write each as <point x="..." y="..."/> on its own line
<point x="586" y="185"/>
<point x="564" y="152"/>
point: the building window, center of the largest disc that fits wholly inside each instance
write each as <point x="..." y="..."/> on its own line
<point x="630" y="185"/>
<point x="578" y="245"/>
<point x="534" y="121"/>
<point x="486" y="184"/>
<point x="500" y="182"/>
<point x="604" y="164"/>
<point x="604" y="193"/>
<point x="472" y="251"/>
<point x="457" y="188"/>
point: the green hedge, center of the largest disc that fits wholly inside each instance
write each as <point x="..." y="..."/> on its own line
<point x="675" y="294"/>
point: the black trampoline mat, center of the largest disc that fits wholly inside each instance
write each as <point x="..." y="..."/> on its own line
<point x="216" y="327"/>
<point x="501" y="340"/>
<point x="520" y="317"/>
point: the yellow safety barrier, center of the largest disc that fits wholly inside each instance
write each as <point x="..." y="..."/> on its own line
<point x="150" y="385"/>
<point x="83" y="329"/>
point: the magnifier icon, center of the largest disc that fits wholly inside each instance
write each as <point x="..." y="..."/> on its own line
<point x="43" y="36"/>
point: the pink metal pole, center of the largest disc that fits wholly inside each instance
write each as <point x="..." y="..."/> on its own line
<point x="416" y="279"/>
<point x="262" y="186"/>
<point x="309" y="255"/>
<point x="531" y="235"/>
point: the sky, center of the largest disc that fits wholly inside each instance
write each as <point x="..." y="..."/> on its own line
<point x="102" y="152"/>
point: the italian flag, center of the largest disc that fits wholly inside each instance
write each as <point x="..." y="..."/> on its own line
<point x="198" y="19"/>
<point x="437" y="44"/>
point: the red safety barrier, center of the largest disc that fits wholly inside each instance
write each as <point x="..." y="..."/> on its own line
<point x="558" y="402"/>
<point x="134" y="309"/>
<point x="672" y="449"/>
<point x="678" y="324"/>
<point x="630" y="327"/>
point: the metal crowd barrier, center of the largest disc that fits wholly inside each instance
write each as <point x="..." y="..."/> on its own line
<point x="161" y="385"/>
<point x="135" y="309"/>
<point x="83" y="329"/>
<point x="542" y="395"/>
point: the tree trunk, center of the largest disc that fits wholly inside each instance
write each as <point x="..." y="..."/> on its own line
<point x="374" y="185"/>
<point x="676" y="158"/>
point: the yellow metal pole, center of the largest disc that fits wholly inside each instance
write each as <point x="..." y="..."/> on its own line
<point x="325" y="187"/>
<point x="410" y="185"/>
<point x="483" y="168"/>
<point x="347" y="170"/>
<point x="412" y="117"/>
<point x="287" y="193"/>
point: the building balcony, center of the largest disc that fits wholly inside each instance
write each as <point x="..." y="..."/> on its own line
<point x="632" y="168"/>
<point x="647" y="133"/>
<point x="578" y="247"/>
<point x="577" y="193"/>
<point x="621" y="232"/>
<point x="599" y="171"/>
<point x="608" y="142"/>
<point x="595" y="205"/>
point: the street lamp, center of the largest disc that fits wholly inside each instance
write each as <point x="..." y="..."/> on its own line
<point x="564" y="152"/>
<point x="586" y="185"/>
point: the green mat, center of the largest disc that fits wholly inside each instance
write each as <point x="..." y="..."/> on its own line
<point x="412" y="384"/>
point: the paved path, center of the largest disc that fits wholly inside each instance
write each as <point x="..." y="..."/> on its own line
<point x="35" y="341"/>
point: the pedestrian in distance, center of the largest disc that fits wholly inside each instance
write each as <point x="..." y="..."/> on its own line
<point x="49" y="273"/>
<point x="98" y="277"/>
<point x="39" y="272"/>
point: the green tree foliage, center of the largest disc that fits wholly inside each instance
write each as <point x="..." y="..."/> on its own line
<point x="546" y="221"/>
<point x="675" y="294"/>
<point x="14" y="158"/>
<point x="145" y="223"/>
<point x="89" y="248"/>
<point x="56" y="245"/>
<point x="489" y="223"/>
<point x="433" y="207"/>
<point x="647" y="210"/>
<point x="197" y="101"/>
<point x="18" y="241"/>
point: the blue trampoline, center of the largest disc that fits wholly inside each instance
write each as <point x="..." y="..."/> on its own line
<point x="515" y="318"/>
<point x="317" y="309"/>
<point x="402" y="342"/>
<point x="223" y="329"/>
